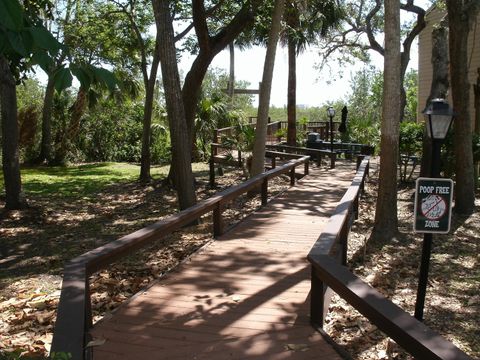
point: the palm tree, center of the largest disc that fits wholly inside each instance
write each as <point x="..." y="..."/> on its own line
<point x="305" y="20"/>
<point x="258" y="160"/>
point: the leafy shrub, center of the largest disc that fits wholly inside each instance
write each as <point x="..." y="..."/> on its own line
<point x="411" y="138"/>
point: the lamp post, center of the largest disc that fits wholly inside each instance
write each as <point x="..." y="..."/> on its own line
<point x="438" y="119"/>
<point x="331" y="114"/>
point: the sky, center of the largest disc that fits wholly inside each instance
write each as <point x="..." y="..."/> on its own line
<point x="313" y="88"/>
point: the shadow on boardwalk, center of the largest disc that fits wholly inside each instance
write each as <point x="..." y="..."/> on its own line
<point x="244" y="295"/>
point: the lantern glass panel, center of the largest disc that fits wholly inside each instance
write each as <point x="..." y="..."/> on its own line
<point x="439" y="124"/>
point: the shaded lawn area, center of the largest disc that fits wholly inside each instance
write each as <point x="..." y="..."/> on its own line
<point x="74" y="209"/>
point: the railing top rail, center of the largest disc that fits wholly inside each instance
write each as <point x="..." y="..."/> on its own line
<point x="419" y="340"/>
<point x="301" y="149"/>
<point x="98" y="257"/>
<point x="332" y="230"/>
<point x="73" y="311"/>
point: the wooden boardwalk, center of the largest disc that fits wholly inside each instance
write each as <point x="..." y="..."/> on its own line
<point x="243" y="296"/>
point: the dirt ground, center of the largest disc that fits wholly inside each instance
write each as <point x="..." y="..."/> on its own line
<point x="452" y="305"/>
<point x="37" y="241"/>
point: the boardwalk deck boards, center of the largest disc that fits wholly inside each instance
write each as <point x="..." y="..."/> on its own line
<point x="243" y="296"/>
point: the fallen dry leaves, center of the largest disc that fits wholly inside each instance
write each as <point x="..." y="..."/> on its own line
<point x="452" y="307"/>
<point x="43" y="237"/>
<point x="39" y="239"/>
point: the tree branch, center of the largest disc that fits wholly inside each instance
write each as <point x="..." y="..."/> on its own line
<point x="371" y="37"/>
<point x="200" y="24"/>
<point x="419" y="26"/>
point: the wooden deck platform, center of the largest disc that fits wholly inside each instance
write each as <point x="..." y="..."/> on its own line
<point x="243" y="296"/>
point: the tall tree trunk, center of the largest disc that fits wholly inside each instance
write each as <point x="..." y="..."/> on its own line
<point x="46" y="142"/>
<point x="439" y="87"/>
<point x="175" y="107"/>
<point x="147" y="118"/>
<point x="209" y="46"/>
<point x="476" y="90"/>
<point x="386" y="220"/>
<point x="458" y="36"/>
<point x="10" y="156"/>
<point x="258" y="161"/>
<point x="292" y="94"/>
<point x="231" y="78"/>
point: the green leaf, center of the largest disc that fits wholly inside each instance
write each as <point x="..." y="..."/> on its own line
<point x="63" y="79"/>
<point x="16" y="42"/>
<point x="11" y="15"/>
<point x="3" y="42"/>
<point x="42" y="59"/>
<point x="82" y="75"/>
<point x="44" y="39"/>
<point x="106" y="77"/>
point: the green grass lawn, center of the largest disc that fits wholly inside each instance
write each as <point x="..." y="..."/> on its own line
<point x="85" y="180"/>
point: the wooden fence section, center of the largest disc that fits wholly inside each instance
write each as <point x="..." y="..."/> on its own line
<point x="328" y="258"/>
<point x="244" y="296"/>
<point x="74" y="311"/>
<point x="314" y="153"/>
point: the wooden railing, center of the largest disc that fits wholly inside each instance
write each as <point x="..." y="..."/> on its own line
<point x="272" y="128"/>
<point x="74" y="316"/>
<point x="328" y="258"/>
<point x="314" y="153"/>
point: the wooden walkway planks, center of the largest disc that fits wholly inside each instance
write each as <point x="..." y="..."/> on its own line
<point x="244" y="296"/>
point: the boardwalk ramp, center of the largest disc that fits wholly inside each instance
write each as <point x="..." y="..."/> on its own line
<point x="243" y="296"/>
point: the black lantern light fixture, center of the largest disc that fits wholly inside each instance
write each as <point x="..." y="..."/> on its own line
<point x="331" y="114"/>
<point x="438" y="120"/>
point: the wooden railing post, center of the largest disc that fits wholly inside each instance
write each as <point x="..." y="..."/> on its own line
<point x="264" y="191"/>
<point x="355" y="205"/>
<point x="344" y="241"/>
<point x="317" y="300"/>
<point x="292" y="176"/>
<point x="274" y="162"/>
<point x="212" y="169"/>
<point x="73" y="314"/>
<point x="306" y="167"/>
<point x="215" y="141"/>
<point x="333" y="157"/>
<point x="239" y="158"/>
<point x="218" y="226"/>
<point x="359" y="160"/>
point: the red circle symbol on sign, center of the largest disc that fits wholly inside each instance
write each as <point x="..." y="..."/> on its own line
<point x="433" y="207"/>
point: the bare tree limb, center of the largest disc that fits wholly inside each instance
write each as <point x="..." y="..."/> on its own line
<point x="374" y="45"/>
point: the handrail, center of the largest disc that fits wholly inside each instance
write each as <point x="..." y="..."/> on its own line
<point x="411" y="334"/>
<point x="333" y="239"/>
<point x="74" y="310"/>
<point x="308" y="151"/>
<point x="338" y="226"/>
<point x="328" y="258"/>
